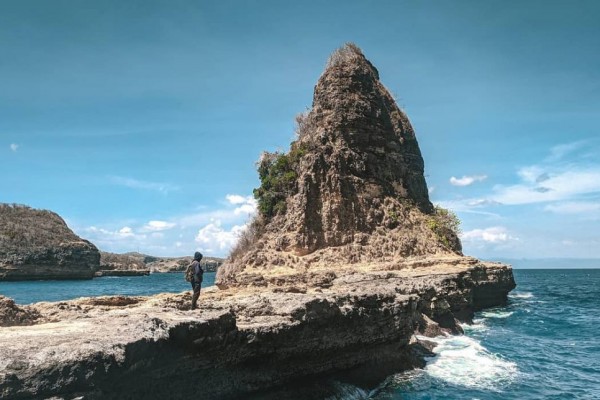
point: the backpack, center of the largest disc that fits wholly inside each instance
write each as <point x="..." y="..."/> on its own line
<point x="189" y="272"/>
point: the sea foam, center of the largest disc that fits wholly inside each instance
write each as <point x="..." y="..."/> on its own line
<point x="462" y="361"/>
<point x="519" y="295"/>
<point x="497" y="314"/>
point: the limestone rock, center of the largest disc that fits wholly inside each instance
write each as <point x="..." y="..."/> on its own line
<point x="351" y="190"/>
<point x="38" y="244"/>
<point x="357" y="327"/>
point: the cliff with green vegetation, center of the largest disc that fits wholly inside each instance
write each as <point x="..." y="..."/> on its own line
<point x="38" y="244"/>
<point x="351" y="189"/>
<point x="345" y="268"/>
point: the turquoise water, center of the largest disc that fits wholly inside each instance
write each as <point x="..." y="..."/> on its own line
<point x="27" y="292"/>
<point x="544" y="344"/>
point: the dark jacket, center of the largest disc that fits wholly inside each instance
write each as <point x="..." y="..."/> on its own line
<point x="198" y="271"/>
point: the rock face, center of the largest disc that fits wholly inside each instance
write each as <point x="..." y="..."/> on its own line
<point x="350" y="190"/>
<point x="38" y="244"/>
<point x="356" y="327"/>
<point x="346" y="261"/>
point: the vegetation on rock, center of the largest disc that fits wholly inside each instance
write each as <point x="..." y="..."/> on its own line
<point x="445" y="224"/>
<point x="278" y="174"/>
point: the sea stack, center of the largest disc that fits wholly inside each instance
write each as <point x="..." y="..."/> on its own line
<point x="346" y="261"/>
<point x="38" y="244"/>
<point x="351" y="190"/>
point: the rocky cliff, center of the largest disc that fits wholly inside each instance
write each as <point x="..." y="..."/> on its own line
<point x="345" y="262"/>
<point x="38" y="244"/>
<point x="134" y="261"/>
<point x="351" y="189"/>
<point x="288" y="341"/>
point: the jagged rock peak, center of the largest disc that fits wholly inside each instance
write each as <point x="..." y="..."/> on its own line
<point x="352" y="187"/>
<point x="353" y="109"/>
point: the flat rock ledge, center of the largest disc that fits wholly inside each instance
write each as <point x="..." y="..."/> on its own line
<point x="352" y="325"/>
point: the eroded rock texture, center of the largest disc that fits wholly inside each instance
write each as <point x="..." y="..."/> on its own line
<point x="358" y="194"/>
<point x="38" y="244"/>
<point x="354" y="327"/>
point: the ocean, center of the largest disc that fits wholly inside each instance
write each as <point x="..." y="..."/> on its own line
<point x="27" y="292"/>
<point x="544" y="344"/>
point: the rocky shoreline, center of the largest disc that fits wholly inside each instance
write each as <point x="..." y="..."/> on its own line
<point x="125" y="272"/>
<point x="354" y="324"/>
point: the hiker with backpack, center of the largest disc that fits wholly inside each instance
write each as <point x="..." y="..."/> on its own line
<point x="194" y="274"/>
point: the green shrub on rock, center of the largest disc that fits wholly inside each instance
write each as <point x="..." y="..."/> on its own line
<point x="446" y="225"/>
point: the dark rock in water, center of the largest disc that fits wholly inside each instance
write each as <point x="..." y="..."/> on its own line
<point x="38" y="244"/>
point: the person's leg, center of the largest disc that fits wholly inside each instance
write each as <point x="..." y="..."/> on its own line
<point x="196" y="288"/>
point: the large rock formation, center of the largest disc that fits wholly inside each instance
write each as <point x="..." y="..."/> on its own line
<point x="346" y="261"/>
<point x="357" y="328"/>
<point x="38" y="244"/>
<point x="351" y="189"/>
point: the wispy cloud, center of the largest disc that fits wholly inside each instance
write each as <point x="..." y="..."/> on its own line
<point x="14" y="147"/>
<point x="143" y="185"/>
<point x="558" y="152"/>
<point x="155" y="226"/>
<point x="467" y="180"/>
<point x="494" y="234"/>
<point x="548" y="185"/>
<point x="574" y="207"/>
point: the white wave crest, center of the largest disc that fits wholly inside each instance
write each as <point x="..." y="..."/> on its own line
<point x="497" y="314"/>
<point x="518" y="295"/>
<point x="461" y="360"/>
<point x="478" y="325"/>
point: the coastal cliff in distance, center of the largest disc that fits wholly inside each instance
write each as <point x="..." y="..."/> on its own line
<point x="346" y="262"/>
<point x="134" y="261"/>
<point x="38" y="244"/>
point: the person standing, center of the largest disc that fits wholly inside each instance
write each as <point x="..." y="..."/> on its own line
<point x="196" y="281"/>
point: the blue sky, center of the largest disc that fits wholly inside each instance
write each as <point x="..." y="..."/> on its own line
<point x="140" y="122"/>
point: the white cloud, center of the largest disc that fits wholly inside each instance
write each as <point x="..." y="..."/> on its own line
<point x="126" y="231"/>
<point x="144" y="185"/>
<point x="237" y="199"/>
<point x="467" y="180"/>
<point x="158" y="226"/>
<point x="574" y="207"/>
<point x="246" y="209"/>
<point x="546" y="185"/>
<point x="14" y="147"/>
<point x="107" y="235"/>
<point x="213" y="238"/>
<point x="494" y="234"/>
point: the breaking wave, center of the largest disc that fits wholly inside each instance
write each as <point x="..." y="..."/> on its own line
<point x="463" y="361"/>
<point x="519" y="295"/>
<point x="497" y="314"/>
